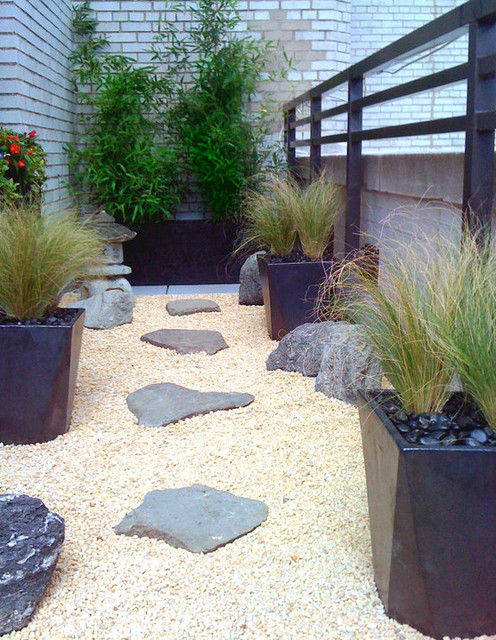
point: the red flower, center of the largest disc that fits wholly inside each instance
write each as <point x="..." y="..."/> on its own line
<point x="16" y="138"/>
<point x="21" y="164"/>
<point x="30" y="152"/>
<point x="32" y="134"/>
<point x="15" y="148"/>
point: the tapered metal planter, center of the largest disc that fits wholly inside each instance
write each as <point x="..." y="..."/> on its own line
<point x="290" y="291"/>
<point x="433" y="528"/>
<point x="38" y="369"/>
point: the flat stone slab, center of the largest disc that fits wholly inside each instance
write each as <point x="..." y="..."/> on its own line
<point x="157" y="405"/>
<point x="197" y="518"/>
<point x="187" y="340"/>
<point x="190" y="306"/>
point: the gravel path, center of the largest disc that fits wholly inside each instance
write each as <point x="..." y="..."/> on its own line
<point x="305" y="574"/>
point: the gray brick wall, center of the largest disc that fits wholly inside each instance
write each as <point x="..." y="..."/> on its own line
<point x="35" y="91"/>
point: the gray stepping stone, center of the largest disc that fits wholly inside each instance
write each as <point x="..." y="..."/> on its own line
<point x="196" y="518"/>
<point x="187" y="340"/>
<point x="190" y="306"/>
<point x="157" y="405"/>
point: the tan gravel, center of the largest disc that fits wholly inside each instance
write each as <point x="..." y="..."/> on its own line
<point x="305" y="574"/>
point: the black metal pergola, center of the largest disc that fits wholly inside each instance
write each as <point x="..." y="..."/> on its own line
<point x="478" y="18"/>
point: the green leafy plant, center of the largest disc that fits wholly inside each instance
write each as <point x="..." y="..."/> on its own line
<point x="39" y="256"/>
<point x="123" y="158"/>
<point x="281" y="215"/>
<point x="22" y="167"/>
<point x="216" y="74"/>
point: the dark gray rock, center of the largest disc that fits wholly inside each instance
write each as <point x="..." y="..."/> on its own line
<point x="302" y="349"/>
<point x="250" y="288"/>
<point x="187" y="340"/>
<point x="196" y="518"/>
<point x="31" y="538"/>
<point x="348" y="363"/>
<point x="159" y="404"/>
<point x="190" y="306"/>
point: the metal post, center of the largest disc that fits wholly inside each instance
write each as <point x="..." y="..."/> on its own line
<point x="290" y="118"/>
<point x="353" y="166"/>
<point x="315" y="133"/>
<point x="479" y="144"/>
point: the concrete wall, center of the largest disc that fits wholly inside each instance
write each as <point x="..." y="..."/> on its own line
<point x="406" y="199"/>
<point x="35" y="89"/>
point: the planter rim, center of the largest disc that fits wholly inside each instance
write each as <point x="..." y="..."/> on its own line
<point x="405" y="446"/>
<point x="77" y="315"/>
<point x="304" y="262"/>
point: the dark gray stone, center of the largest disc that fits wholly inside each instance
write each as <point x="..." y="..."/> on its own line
<point x="348" y="363"/>
<point x="250" y="288"/>
<point x="301" y="350"/>
<point x="187" y="340"/>
<point x="31" y="538"/>
<point x="159" y="404"/>
<point x="190" y="306"/>
<point x="196" y="518"/>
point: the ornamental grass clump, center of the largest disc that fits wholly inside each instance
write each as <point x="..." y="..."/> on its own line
<point x="39" y="256"/>
<point x="469" y="339"/>
<point x="400" y="317"/>
<point x="281" y="216"/>
<point x="269" y="216"/>
<point x="320" y="204"/>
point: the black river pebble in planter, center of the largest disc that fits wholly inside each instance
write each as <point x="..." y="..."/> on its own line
<point x="459" y="425"/>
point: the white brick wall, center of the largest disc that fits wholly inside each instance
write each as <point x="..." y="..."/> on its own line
<point x="35" y="89"/>
<point x="377" y="23"/>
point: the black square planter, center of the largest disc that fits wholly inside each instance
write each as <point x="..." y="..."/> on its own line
<point x="433" y="528"/>
<point x="290" y="290"/>
<point x="38" y="369"/>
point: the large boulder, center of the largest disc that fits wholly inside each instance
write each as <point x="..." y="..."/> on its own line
<point x="302" y="349"/>
<point x="348" y="363"/>
<point x="250" y="288"/>
<point x="31" y="538"/>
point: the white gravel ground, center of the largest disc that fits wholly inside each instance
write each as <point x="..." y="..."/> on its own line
<point x="305" y="574"/>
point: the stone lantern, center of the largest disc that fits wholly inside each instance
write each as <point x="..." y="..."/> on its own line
<point x="106" y="294"/>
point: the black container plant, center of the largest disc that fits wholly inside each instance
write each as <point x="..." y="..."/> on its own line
<point x="430" y="454"/>
<point x="295" y="226"/>
<point x="39" y="342"/>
